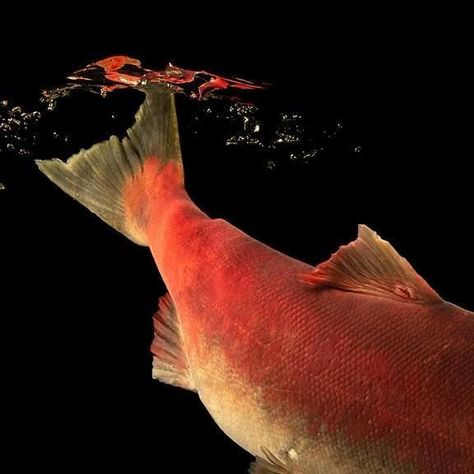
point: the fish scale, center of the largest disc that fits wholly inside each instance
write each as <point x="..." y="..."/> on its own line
<point x="353" y="366"/>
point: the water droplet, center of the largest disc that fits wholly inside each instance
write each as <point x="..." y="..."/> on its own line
<point x="271" y="165"/>
<point x="2" y="187"/>
<point x="4" y="103"/>
<point x="16" y="110"/>
<point x="357" y="149"/>
<point x="292" y="454"/>
<point x="14" y="122"/>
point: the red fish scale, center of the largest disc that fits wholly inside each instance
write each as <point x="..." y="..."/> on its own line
<point x="337" y="367"/>
<point x="367" y="371"/>
<point x="351" y="379"/>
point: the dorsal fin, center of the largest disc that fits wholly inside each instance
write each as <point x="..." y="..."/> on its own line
<point x="372" y="266"/>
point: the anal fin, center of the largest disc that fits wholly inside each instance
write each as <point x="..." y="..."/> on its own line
<point x="268" y="465"/>
<point x="170" y="363"/>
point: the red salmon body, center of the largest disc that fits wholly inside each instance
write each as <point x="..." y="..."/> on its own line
<point x="355" y="366"/>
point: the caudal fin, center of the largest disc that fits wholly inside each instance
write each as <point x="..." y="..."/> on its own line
<point x="101" y="177"/>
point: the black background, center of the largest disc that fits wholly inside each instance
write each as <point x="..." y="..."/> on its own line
<point x="78" y="297"/>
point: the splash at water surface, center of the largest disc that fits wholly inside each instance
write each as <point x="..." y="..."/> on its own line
<point x="235" y="105"/>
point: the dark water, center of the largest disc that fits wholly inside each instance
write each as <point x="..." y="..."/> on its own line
<point x="393" y="151"/>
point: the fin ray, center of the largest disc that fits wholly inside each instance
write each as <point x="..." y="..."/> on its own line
<point x="170" y="362"/>
<point x="370" y="265"/>
<point x="96" y="177"/>
<point x="269" y="464"/>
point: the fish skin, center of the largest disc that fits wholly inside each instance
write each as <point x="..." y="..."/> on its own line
<point x="355" y="366"/>
<point x="380" y="385"/>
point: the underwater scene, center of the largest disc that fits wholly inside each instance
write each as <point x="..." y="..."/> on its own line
<point x="262" y="267"/>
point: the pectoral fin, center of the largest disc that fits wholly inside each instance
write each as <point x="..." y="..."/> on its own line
<point x="268" y="465"/>
<point x="170" y="362"/>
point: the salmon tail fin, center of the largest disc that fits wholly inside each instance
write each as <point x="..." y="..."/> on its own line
<point x="102" y="177"/>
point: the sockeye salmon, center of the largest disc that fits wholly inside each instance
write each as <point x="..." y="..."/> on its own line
<point x="354" y="366"/>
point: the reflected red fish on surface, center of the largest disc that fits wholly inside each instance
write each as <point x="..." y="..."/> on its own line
<point x="119" y="72"/>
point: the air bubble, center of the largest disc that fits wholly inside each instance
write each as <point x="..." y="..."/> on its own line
<point x="16" y="111"/>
